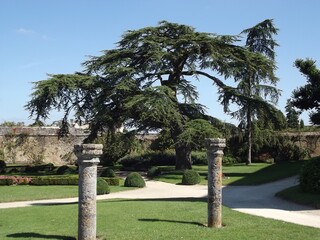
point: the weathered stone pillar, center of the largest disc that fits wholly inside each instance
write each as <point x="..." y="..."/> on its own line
<point x="88" y="159"/>
<point x="215" y="148"/>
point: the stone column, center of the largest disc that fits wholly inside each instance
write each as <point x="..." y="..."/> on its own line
<point x="215" y="148"/>
<point x="88" y="159"/>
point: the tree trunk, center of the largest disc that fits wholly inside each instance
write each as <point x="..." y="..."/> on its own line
<point x="249" y="135"/>
<point x="183" y="158"/>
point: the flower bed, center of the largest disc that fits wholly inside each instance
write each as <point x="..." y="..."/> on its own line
<point x="14" y="180"/>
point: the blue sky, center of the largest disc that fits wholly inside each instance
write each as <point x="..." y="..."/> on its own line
<point x="39" y="37"/>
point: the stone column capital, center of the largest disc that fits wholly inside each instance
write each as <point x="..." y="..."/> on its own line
<point x="215" y="143"/>
<point x="88" y="153"/>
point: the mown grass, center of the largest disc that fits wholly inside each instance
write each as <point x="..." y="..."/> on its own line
<point x="145" y="220"/>
<point x="29" y="192"/>
<point x="295" y="194"/>
<point x="240" y="174"/>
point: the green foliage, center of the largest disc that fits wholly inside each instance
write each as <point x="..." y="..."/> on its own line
<point x="112" y="181"/>
<point x="190" y="177"/>
<point x="288" y="151"/>
<point x="6" y="182"/>
<point x="163" y="141"/>
<point x="310" y="176"/>
<point x="153" y="172"/>
<point x="199" y="158"/>
<point x="134" y="179"/>
<point x="146" y="160"/>
<point x="292" y="116"/>
<point x="62" y="170"/>
<point x="2" y="165"/>
<point x="228" y="160"/>
<point x="12" y="124"/>
<point x="307" y="97"/>
<point x="108" y="172"/>
<point x="143" y="84"/>
<point x="116" y="146"/>
<point x="45" y="181"/>
<point x="102" y="187"/>
<point x="195" y="133"/>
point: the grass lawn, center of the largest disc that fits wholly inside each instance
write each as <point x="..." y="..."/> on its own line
<point x="146" y="219"/>
<point x="240" y="174"/>
<point x="295" y="194"/>
<point x="26" y="192"/>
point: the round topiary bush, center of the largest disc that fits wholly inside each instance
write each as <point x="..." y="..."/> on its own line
<point x="134" y="179"/>
<point x="62" y="170"/>
<point x="190" y="177"/>
<point x="153" y="172"/>
<point x="108" y="172"/>
<point x="102" y="187"/>
<point x="310" y="176"/>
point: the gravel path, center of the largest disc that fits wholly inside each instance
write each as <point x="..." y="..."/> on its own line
<point x="255" y="200"/>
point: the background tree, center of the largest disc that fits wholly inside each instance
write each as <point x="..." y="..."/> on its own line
<point x="259" y="39"/>
<point x="308" y="97"/>
<point x="145" y="83"/>
<point x="292" y="116"/>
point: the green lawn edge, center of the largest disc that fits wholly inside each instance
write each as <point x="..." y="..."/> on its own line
<point x="295" y="194"/>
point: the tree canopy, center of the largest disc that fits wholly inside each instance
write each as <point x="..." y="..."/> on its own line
<point x="146" y="82"/>
<point x="307" y="97"/>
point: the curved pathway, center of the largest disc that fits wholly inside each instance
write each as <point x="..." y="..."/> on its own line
<point x="256" y="200"/>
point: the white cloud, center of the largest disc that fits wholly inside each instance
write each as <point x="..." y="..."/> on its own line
<point x="25" y="31"/>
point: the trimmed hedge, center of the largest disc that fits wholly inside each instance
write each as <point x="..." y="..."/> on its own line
<point x="39" y="181"/>
<point x="108" y="172"/>
<point x="102" y="186"/>
<point x="6" y="182"/>
<point x="146" y="160"/>
<point x="190" y="177"/>
<point x="112" y="181"/>
<point x="68" y="181"/>
<point x="134" y="179"/>
<point x="310" y="176"/>
<point x="62" y="170"/>
<point x="153" y="172"/>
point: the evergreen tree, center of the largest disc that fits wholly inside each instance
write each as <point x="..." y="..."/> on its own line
<point x="308" y="97"/>
<point x="146" y="82"/>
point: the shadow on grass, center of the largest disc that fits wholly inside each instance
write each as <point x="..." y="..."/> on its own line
<point x="268" y="174"/>
<point x="54" y="204"/>
<point x="170" y="221"/>
<point x="187" y="199"/>
<point x="39" y="235"/>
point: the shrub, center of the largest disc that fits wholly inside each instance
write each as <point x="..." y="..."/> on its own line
<point x="112" y="181"/>
<point x="62" y="170"/>
<point x="190" y="177"/>
<point x="153" y="172"/>
<point x="134" y="179"/>
<point x="39" y="181"/>
<point x="228" y="160"/>
<point x="102" y="186"/>
<point x="310" y="176"/>
<point x="17" y="180"/>
<point x="199" y="158"/>
<point x="146" y="160"/>
<point x="6" y="182"/>
<point x="2" y="166"/>
<point x="108" y="172"/>
<point x="44" y="167"/>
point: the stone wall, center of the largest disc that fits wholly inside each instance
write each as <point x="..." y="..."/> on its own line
<point x="309" y="140"/>
<point x="27" y="145"/>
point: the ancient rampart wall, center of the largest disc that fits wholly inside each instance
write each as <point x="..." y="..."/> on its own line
<point x="27" y="145"/>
